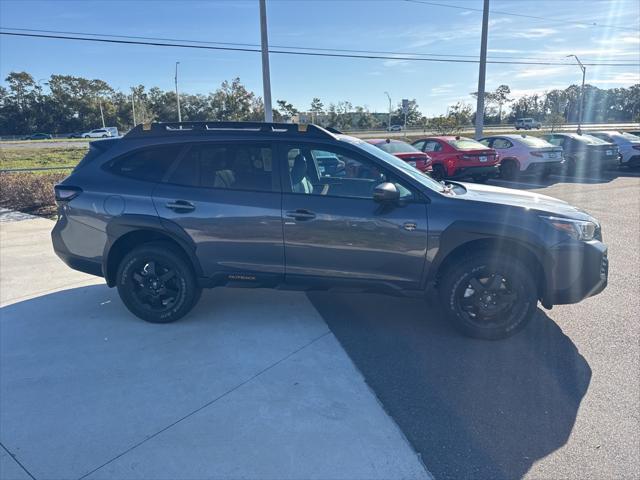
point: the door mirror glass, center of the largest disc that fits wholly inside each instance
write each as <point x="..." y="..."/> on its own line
<point x="386" y="192"/>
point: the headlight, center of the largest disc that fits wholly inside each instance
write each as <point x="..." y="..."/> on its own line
<point x="576" y="229"/>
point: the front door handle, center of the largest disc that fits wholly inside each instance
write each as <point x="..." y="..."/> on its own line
<point x="181" y="206"/>
<point x="301" y="214"/>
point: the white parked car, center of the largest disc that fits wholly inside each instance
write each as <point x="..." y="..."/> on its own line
<point x="527" y="124"/>
<point x="523" y="154"/>
<point x="97" y="133"/>
<point x="628" y="145"/>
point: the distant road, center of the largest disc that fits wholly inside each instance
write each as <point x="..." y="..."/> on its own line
<point x="496" y="128"/>
<point x="469" y="131"/>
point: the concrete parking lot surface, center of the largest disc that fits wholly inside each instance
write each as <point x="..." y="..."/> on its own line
<point x="251" y="385"/>
<point x="559" y="400"/>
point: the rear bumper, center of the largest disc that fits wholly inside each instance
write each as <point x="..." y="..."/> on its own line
<point x="575" y="271"/>
<point x="92" y="266"/>
<point x="489" y="170"/>
<point x="536" y="167"/>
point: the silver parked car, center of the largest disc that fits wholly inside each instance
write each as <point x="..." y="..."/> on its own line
<point x="628" y="145"/>
<point x="523" y="154"/>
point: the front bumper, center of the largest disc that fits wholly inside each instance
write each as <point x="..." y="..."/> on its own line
<point x="575" y="270"/>
<point x="489" y="170"/>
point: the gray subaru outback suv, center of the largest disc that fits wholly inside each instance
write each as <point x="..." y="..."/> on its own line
<point x="171" y="208"/>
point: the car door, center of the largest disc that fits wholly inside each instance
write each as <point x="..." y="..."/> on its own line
<point x="226" y="197"/>
<point x="334" y="230"/>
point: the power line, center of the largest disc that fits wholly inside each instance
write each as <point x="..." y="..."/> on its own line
<point x="287" y="52"/>
<point x="521" y="15"/>
<point x="288" y="47"/>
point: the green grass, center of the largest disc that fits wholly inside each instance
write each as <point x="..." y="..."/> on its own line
<point x="40" y="157"/>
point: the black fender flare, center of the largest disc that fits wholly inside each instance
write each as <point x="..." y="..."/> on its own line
<point x="122" y="225"/>
<point x="464" y="232"/>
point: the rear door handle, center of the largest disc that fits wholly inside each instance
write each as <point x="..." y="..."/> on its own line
<point x="181" y="206"/>
<point x="301" y="214"/>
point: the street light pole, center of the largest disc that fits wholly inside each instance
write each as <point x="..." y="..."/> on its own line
<point x="101" y="112"/>
<point x="389" y="121"/>
<point x="482" y="71"/>
<point x="266" y="78"/>
<point x="581" y="104"/>
<point x="177" y="94"/>
<point x="133" y="107"/>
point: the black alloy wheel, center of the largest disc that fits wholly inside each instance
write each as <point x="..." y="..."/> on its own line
<point x="489" y="297"/>
<point x="157" y="284"/>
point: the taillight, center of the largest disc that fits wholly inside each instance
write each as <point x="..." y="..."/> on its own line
<point x="65" y="193"/>
<point x="467" y="157"/>
<point x="537" y="154"/>
<point x="636" y="147"/>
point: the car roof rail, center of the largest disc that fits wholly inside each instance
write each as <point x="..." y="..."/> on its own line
<point x="162" y="129"/>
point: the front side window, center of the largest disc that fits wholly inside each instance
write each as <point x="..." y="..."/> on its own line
<point x="149" y="164"/>
<point x="419" y="145"/>
<point x="226" y="166"/>
<point x="334" y="173"/>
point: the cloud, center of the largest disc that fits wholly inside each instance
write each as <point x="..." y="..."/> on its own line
<point x="533" y="71"/>
<point x="616" y="79"/>
<point x="441" y="90"/>
<point x="535" y="33"/>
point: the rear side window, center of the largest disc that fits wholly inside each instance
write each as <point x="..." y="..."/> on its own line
<point x="226" y="166"/>
<point x="150" y="164"/>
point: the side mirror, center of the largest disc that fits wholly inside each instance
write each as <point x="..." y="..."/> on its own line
<point x="386" y="192"/>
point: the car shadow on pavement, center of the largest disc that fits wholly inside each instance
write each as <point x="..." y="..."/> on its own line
<point x="470" y="408"/>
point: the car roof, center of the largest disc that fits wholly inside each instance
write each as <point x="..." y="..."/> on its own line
<point x="383" y="140"/>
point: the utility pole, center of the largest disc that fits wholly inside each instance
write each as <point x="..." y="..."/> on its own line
<point x="581" y="103"/>
<point x="483" y="71"/>
<point x="101" y="112"/>
<point x="266" y="78"/>
<point x="177" y="94"/>
<point x="133" y="107"/>
<point x="389" y="121"/>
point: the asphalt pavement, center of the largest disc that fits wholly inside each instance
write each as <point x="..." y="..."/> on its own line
<point x="561" y="399"/>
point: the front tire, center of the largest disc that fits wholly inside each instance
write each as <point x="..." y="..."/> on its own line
<point x="157" y="284"/>
<point x="438" y="173"/>
<point x="488" y="297"/>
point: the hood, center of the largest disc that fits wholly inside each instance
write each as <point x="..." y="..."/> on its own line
<point x="524" y="199"/>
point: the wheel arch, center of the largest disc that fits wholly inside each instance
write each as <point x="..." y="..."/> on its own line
<point x="461" y="246"/>
<point x="129" y="231"/>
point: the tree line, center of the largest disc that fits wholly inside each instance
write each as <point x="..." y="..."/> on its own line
<point x="66" y="103"/>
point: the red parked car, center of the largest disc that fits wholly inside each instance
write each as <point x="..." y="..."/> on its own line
<point x="458" y="157"/>
<point x="406" y="152"/>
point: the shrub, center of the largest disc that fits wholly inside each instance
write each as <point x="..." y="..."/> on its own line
<point x="29" y="192"/>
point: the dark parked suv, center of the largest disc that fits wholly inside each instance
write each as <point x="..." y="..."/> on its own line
<point x="172" y="208"/>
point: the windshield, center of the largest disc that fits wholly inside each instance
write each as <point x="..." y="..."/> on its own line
<point x="396" y="162"/>
<point x="535" y="142"/>
<point x="396" y="147"/>
<point x="466" y="144"/>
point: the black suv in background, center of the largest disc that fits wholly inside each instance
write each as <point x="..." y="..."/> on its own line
<point x="172" y="208"/>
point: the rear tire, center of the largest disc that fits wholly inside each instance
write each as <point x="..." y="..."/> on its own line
<point x="157" y="284"/>
<point x="508" y="169"/>
<point x="488" y="296"/>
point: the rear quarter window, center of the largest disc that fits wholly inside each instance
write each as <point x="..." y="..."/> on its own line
<point x="149" y="164"/>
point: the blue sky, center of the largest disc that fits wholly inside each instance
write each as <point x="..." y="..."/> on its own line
<point x="395" y="26"/>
